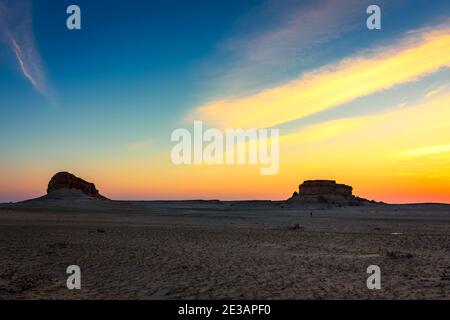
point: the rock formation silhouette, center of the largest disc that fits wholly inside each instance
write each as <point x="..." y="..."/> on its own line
<point x="66" y="180"/>
<point x="325" y="192"/>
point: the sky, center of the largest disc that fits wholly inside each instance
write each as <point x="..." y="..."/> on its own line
<point x="368" y="108"/>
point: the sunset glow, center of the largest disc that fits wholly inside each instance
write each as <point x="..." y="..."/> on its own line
<point x="373" y="113"/>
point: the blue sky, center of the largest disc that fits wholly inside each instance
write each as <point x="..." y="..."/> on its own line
<point x="137" y="68"/>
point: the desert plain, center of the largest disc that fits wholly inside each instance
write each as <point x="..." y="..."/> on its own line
<point x="223" y="250"/>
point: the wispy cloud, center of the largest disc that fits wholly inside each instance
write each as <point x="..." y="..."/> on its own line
<point x="416" y="55"/>
<point x="425" y="151"/>
<point x="16" y="30"/>
<point x="436" y="90"/>
<point x="326" y="129"/>
<point x="281" y="36"/>
<point x="416" y="120"/>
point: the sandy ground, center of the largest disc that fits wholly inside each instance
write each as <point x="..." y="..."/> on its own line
<point x="202" y="250"/>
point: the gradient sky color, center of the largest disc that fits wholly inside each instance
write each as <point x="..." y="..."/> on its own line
<point x="367" y="108"/>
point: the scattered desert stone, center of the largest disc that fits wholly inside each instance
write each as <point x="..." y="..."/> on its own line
<point x="295" y="227"/>
<point x="399" y="255"/>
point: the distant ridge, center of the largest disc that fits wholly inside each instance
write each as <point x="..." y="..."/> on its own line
<point x="67" y="190"/>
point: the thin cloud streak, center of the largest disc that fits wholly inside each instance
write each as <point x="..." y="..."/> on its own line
<point x="425" y="151"/>
<point x="16" y="29"/>
<point x="289" y="40"/>
<point x="410" y="122"/>
<point x="332" y="85"/>
<point x="20" y="58"/>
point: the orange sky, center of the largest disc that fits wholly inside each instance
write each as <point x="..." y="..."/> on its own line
<point x="393" y="146"/>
